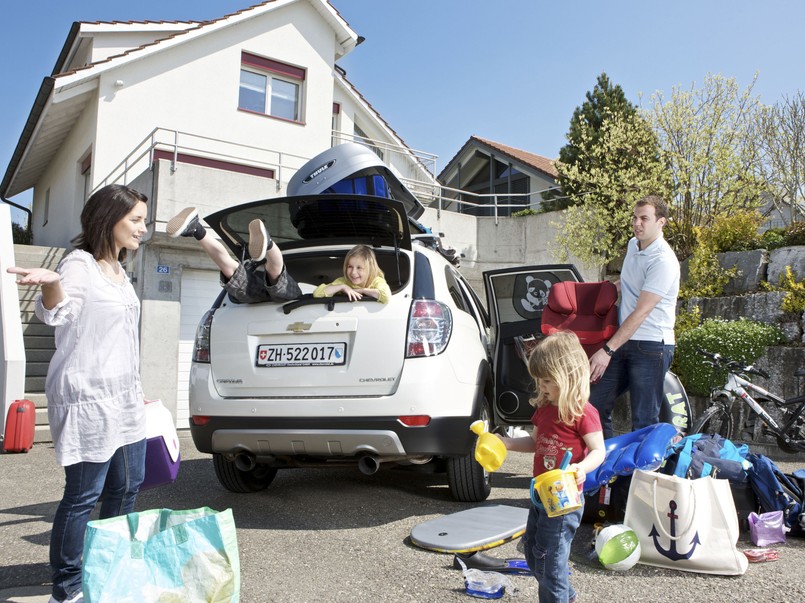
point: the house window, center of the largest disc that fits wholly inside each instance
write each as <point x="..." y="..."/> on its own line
<point x="336" y="125"/>
<point x="86" y="169"/>
<point x="270" y="87"/>
<point x="47" y="207"/>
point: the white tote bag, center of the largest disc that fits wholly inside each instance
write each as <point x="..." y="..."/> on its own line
<point x="684" y="524"/>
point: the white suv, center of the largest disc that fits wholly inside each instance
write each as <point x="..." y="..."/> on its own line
<point x="327" y="382"/>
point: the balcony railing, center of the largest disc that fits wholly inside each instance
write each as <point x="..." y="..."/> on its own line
<point x="416" y="169"/>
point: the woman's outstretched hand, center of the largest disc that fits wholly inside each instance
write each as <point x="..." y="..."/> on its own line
<point x="34" y="276"/>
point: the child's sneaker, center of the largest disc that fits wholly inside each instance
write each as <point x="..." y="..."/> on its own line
<point x="185" y="224"/>
<point x="259" y="240"/>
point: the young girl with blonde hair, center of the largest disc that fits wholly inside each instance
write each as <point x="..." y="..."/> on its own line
<point x="362" y="276"/>
<point x="564" y="420"/>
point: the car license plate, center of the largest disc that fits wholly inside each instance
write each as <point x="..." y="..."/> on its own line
<point x="304" y="354"/>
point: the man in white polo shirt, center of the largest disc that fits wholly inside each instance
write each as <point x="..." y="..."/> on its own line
<point x="639" y="354"/>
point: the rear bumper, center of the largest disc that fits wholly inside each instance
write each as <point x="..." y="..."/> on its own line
<point x="328" y="437"/>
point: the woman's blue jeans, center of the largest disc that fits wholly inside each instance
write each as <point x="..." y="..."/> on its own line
<point x="546" y="543"/>
<point x="118" y="480"/>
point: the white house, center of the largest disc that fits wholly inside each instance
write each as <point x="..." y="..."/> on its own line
<point x="209" y="114"/>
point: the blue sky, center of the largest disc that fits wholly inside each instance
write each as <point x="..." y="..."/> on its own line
<point x="440" y="71"/>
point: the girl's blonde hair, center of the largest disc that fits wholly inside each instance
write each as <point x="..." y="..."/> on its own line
<point x="561" y="359"/>
<point x="367" y="254"/>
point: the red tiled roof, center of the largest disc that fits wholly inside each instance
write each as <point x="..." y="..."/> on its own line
<point x="538" y="162"/>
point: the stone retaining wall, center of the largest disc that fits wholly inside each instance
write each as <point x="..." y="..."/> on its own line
<point x="743" y="299"/>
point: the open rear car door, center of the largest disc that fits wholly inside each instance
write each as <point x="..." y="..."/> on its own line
<point x="516" y="298"/>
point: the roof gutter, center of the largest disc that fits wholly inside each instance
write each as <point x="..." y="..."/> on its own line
<point x="42" y="97"/>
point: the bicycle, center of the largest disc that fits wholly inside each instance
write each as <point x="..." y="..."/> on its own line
<point x="718" y="416"/>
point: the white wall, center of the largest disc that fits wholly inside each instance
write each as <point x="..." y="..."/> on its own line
<point x="64" y="180"/>
<point x="521" y="241"/>
<point x="12" y="350"/>
<point x="194" y="88"/>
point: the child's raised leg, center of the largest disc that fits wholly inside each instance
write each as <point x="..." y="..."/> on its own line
<point x="187" y="224"/>
<point x="261" y="247"/>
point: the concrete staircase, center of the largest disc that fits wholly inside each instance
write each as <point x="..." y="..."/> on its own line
<point x="38" y="337"/>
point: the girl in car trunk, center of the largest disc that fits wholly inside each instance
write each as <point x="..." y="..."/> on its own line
<point x="362" y="276"/>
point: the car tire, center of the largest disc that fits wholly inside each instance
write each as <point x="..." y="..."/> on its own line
<point x="467" y="480"/>
<point x="242" y="482"/>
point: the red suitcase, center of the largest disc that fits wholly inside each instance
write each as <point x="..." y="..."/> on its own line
<point x="20" y="424"/>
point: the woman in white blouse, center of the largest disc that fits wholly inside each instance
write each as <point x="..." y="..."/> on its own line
<point x="95" y="400"/>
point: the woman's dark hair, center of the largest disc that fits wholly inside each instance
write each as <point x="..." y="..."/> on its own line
<point x="105" y="208"/>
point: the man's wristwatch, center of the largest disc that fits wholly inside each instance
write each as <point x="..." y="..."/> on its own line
<point x="608" y="350"/>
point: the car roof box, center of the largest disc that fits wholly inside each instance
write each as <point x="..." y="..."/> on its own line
<point x="349" y="161"/>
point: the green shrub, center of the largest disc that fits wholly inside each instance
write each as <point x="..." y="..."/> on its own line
<point x="795" y="234"/>
<point x="687" y="320"/>
<point x="743" y="340"/>
<point x="794" y="300"/>
<point x="706" y="277"/>
<point x="774" y="238"/>
<point x="524" y="212"/>
<point x="732" y="232"/>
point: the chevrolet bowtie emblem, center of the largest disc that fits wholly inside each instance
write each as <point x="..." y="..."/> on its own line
<point x="298" y="327"/>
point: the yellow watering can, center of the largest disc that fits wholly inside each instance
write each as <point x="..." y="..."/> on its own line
<point x="490" y="452"/>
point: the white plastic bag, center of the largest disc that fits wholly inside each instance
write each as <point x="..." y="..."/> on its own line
<point x="486" y="585"/>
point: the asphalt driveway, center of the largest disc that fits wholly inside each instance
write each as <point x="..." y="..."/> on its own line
<point x="341" y="536"/>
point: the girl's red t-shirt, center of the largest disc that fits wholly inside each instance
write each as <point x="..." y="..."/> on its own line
<point x="555" y="437"/>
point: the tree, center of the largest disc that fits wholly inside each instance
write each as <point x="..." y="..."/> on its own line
<point x="604" y="101"/>
<point x="706" y="140"/>
<point x="20" y="235"/>
<point x="617" y="165"/>
<point x="781" y="148"/>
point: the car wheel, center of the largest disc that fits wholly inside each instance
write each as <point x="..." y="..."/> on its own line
<point x="468" y="481"/>
<point x="236" y="480"/>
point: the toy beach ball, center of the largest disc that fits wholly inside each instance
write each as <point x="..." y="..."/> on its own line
<point x="617" y="547"/>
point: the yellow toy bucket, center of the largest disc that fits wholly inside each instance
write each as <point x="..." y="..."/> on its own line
<point x="490" y="452"/>
<point x="557" y="491"/>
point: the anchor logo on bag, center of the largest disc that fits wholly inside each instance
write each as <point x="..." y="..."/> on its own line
<point x="671" y="552"/>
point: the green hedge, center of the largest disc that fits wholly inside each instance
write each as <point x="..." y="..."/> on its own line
<point x="743" y="340"/>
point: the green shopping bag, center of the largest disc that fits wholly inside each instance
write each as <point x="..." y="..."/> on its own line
<point x="163" y="556"/>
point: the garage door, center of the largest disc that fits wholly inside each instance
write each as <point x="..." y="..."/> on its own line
<point x="199" y="290"/>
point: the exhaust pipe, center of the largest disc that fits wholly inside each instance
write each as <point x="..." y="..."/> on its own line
<point x="368" y="464"/>
<point x="245" y="461"/>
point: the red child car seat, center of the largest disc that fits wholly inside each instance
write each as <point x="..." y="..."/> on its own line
<point x="587" y="309"/>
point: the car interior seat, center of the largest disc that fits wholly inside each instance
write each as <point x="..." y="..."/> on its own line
<point x="587" y="309"/>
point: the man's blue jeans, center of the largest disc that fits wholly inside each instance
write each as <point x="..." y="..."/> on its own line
<point x="118" y="480"/>
<point x="640" y="367"/>
<point x="546" y="543"/>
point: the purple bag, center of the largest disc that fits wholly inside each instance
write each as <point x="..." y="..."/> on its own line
<point x="162" y="446"/>
<point x="766" y="528"/>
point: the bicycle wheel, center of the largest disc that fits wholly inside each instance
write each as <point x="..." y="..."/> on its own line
<point x="716" y="419"/>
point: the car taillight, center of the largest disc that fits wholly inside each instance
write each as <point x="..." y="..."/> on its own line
<point x="429" y="326"/>
<point x="200" y="420"/>
<point x="201" y="346"/>
<point x="414" y="420"/>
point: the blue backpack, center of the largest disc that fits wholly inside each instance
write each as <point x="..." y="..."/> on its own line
<point x="777" y="491"/>
<point x="700" y="455"/>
